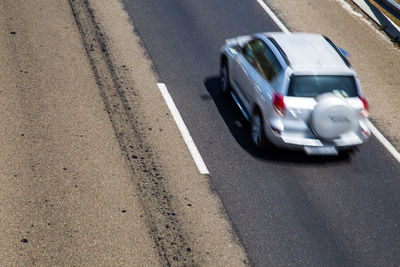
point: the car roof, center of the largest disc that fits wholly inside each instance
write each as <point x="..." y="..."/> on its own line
<point x="309" y="52"/>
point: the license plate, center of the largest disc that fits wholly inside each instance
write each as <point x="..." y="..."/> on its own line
<point x="320" y="150"/>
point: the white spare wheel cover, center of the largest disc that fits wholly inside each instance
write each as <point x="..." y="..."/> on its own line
<point x="332" y="116"/>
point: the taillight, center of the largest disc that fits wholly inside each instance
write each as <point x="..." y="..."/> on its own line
<point x="366" y="133"/>
<point x="279" y="104"/>
<point x="364" y="113"/>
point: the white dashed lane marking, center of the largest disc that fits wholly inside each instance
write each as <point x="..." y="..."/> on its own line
<point x="183" y="129"/>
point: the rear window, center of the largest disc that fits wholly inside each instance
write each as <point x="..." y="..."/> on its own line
<point x="314" y="85"/>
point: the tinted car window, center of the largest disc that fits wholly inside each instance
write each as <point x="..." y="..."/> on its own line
<point x="314" y="85"/>
<point x="249" y="54"/>
<point x="268" y="64"/>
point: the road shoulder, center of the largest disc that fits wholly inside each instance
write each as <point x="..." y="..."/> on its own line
<point x="66" y="195"/>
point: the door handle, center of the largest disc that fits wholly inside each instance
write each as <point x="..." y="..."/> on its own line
<point x="245" y="71"/>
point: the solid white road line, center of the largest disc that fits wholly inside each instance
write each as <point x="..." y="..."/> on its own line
<point x="183" y="129"/>
<point x="373" y="129"/>
<point x="273" y="16"/>
<point x="384" y="141"/>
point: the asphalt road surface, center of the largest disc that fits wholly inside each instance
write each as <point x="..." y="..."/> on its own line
<point x="285" y="207"/>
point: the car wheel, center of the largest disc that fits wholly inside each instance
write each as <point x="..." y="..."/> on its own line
<point x="224" y="79"/>
<point x="258" y="137"/>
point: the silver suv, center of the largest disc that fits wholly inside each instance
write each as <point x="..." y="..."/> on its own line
<point x="298" y="90"/>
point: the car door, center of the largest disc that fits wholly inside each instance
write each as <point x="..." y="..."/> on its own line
<point x="245" y="74"/>
<point x="266" y="74"/>
<point x="271" y="71"/>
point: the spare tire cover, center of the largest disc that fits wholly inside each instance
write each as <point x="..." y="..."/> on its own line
<point x="332" y="116"/>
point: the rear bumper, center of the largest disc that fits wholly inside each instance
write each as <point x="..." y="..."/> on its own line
<point x="299" y="142"/>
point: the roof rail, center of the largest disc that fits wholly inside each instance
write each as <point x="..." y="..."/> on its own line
<point x="338" y="51"/>
<point x="283" y="54"/>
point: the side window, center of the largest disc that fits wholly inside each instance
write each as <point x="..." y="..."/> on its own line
<point x="249" y="54"/>
<point x="267" y="64"/>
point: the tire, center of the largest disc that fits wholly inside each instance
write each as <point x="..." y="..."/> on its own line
<point x="224" y="83"/>
<point x="258" y="137"/>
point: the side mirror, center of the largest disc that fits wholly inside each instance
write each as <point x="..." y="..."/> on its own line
<point x="344" y="52"/>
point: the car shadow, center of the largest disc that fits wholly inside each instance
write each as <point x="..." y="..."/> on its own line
<point x="240" y="130"/>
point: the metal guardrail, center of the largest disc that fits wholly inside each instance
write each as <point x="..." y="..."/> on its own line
<point x="376" y="15"/>
<point x="390" y="27"/>
<point x="393" y="5"/>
